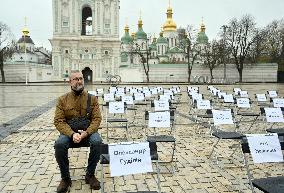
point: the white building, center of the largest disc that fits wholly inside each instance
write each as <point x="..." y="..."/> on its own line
<point x="86" y="38"/>
<point x="168" y="48"/>
<point x="34" y="65"/>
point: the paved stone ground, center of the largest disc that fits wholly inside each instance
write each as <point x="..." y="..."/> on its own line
<point x="27" y="162"/>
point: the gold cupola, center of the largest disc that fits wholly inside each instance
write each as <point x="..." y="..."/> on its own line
<point x="202" y="27"/>
<point x="170" y="25"/>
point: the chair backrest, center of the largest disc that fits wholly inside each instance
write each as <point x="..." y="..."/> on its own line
<point x="246" y="151"/>
<point x="245" y="145"/>
<point x="105" y="153"/>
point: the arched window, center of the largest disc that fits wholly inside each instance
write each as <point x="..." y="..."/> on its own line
<point x="87" y="21"/>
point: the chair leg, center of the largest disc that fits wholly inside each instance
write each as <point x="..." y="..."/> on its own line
<point x="158" y="176"/>
<point x="248" y="173"/>
<point x="107" y="131"/>
<point x="102" y="178"/>
<point x="214" y="148"/>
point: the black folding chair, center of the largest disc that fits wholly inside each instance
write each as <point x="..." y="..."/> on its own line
<point x="273" y="184"/>
<point x="104" y="159"/>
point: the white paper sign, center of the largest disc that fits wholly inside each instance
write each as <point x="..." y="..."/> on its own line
<point x="165" y="97"/>
<point x="228" y="98"/>
<point x="108" y="97"/>
<point x="116" y="107"/>
<point x="203" y="104"/>
<point x="128" y="88"/>
<point x="120" y="90"/>
<point x="237" y="90"/>
<point x="265" y="148"/>
<point x="160" y="89"/>
<point x="133" y="91"/>
<point x="119" y="94"/>
<point x="139" y="97"/>
<point x="273" y="115"/>
<point x="129" y="158"/>
<point x="161" y="105"/>
<point x="92" y="92"/>
<point x="127" y="99"/>
<point x="221" y="94"/>
<point x="159" y="119"/>
<point x="243" y="93"/>
<point x="154" y="91"/>
<point x="277" y="102"/>
<point x="272" y="93"/>
<point x="196" y="96"/>
<point x="100" y="90"/>
<point x="222" y="117"/>
<point x="147" y="93"/>
<point x="243" y="102"/>
<point x="261" y="97"/>
<point x="112" y="89"/>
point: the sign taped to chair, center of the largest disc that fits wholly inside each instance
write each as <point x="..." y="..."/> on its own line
<point x="203" y="104"/>
<point x="108" y="97"/>
<point x="265" y="148"/>
<point x="116" y="107"/>
<point x="222" y="117"/>
<point x="161" y="105"/>
<point x="130" y="158"/>
<point x="278" y="102"/>
<point x="228" y="98"/>
<point x="243" y="102"/>
<point x="159" y="119"/>
<point x="274" y="115"/>
<point x="261" y="97"/>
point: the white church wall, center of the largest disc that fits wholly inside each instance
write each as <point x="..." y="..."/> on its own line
<point x="266" y="72"/>
<point x="131" y="75"/>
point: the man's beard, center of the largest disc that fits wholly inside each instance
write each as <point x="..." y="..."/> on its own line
<point x="78" y="89"/>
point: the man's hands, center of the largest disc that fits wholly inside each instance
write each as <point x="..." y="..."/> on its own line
<point x="78" y="137"/>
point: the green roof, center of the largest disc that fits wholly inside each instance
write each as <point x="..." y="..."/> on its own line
<point x="140" y="34"/>
<point x="153" y="46"/>
<point x="202" y="38"/>
<point x="126" y="39"/>
<point x="162" y="40"/>
<point x="175" y="50"/>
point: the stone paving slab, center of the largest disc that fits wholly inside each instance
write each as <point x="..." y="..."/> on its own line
<point x="27" y="162"/>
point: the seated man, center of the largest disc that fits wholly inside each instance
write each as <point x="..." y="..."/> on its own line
<point x="69" y="106"/>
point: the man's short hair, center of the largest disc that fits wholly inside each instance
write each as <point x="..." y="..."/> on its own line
<point x="74" y="71"/>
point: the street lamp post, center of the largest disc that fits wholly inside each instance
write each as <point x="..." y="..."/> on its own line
<point x="25" y="33"/>
<point x="224" y="49"/>
<point x="25" y="59"/>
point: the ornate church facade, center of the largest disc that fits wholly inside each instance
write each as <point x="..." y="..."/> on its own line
<point x="85" y="38"/>
<point x="166" y="54"/>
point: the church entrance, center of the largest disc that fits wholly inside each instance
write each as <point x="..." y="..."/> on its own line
<point x="88" y="75"/>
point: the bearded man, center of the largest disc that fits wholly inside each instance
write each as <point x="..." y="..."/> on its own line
<point x="70" y="106"/>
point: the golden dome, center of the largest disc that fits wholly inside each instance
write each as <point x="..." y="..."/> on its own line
<point x="133" y="34"/>
<point x="25" y="31"/>
<point x="170" y="25"/>
<point x="126" y="29"/>
<point x="202" y="27"/>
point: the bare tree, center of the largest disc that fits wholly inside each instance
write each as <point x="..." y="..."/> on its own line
<point x="258" y="47"/>
<point x="275" y="41"/>
<point x="7" y="46"/>
<point x="240" y="36"/>
<point x="190" y="46"/>
<point x="212" y="55"/>
<point x="144" y="56"/>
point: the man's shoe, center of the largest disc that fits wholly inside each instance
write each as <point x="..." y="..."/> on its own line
<point x="93" y="181"/>
<point x="64" y="185"/>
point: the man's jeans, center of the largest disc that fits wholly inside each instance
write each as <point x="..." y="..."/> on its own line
<point x="62" y="145"/>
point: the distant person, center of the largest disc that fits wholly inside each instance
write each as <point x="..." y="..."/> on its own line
<point x="70" y="106"/>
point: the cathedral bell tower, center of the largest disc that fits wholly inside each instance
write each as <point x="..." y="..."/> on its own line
<point x="85" y="38"/>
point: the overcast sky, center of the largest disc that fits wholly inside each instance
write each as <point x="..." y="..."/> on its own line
<point x="215" y="13"/>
